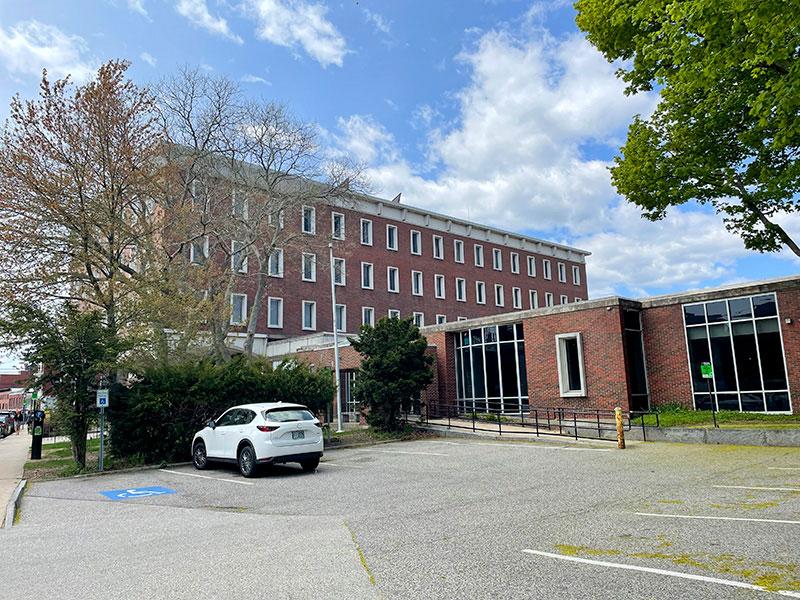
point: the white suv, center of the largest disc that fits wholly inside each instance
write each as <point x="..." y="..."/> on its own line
<point x="256" y="434"/>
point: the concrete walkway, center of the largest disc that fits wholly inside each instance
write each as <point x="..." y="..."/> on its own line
<point x="14" y="451"/>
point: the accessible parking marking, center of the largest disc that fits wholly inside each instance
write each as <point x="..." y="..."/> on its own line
<point x="206" y="477"/>
<point x="764" y="489"/>
<point x="134" y="493"/>
<point x="678" y="574"/>
<point x="714" y="518"/>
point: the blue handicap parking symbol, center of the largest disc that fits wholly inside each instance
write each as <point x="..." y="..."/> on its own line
<point x="133" y="493"/>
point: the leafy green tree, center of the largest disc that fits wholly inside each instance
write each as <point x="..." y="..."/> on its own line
<point x="76" y="349"/>
<point x="395" y="369"/>
<point x="726" y="131"/>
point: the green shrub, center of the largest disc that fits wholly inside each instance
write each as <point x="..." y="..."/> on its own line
<point x="157" y="417"/>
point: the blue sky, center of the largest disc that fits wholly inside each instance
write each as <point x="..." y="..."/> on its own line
<point x="494" y="110"/>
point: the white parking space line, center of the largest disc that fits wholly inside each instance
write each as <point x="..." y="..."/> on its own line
<point x="207" y="477"/>
<point x="763" y="489"/>
<point x="404" y="452"/>
<point x="784" y="468"/>
<point x="333" y="464"/>
<point x="678" y="574"/>
<point x="535" y="446"/>
<point x="717" y="518"/>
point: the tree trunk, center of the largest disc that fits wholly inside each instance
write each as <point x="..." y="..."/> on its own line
<point x="77" y="436"/>
<point x="252" y="321"/>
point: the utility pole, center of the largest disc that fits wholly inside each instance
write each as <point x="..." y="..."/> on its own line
<point x="335" y="345"/>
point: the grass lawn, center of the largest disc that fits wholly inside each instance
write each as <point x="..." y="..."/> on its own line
<point x="57" y="461"/>
<point x="728" y="419"/>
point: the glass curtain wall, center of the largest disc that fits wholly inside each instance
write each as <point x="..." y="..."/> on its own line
<point x="741" y="337"/>
<point x="490" y="369"/>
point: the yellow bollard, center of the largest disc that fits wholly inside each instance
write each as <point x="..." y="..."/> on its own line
<point x="620" y="430"/>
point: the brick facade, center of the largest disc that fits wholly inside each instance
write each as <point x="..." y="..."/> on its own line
<point x="665" y="352"/>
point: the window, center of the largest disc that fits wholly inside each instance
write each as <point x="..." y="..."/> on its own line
<point x="441" y="319"/>
<point x="533" y="296"/>
<point x="238" y="257"/>
<point x="275" y="312"/>
<point x="309" y="315"/>
<point x="531" y="266"/>
<point x="497" y="259"/>
<point x="416" y="242"/>
<point x="438" y="247"/>
<point x="438" y="281"/>
<point x="339" y="271"/>
<point x="578" y="299"/>
<point x="458" y="251"/>
<point x="576" y="275"/>
<point x="366" y="276"/>
<point x="199" y="194"/>
<point x="498" y="295"/>
<point x="564" y="299"/>
<point x="198" y="251"/>
<point x="416" y="283"/>
<point x="546" y="272"/>
<point x="741" y="338"/>
<point x="569" y="353"/>
<point x="392" y="279"/>
<point x="368" y="316"/>
<point x="461" y="289"/>
<point x="309" y="219"/>
<point x="562" y="273"/>
<point x="478" y="255"/>
<point x="275" y="266"/>
<point x="391" y="237"/>
<point x="461" y="318"/>
<point x="238" y="309"/>
<point x="419" y="319"/>
<point x="279" y="222"/>
<point x="366" y="232"/>
<point x="516" y="297"/>
<point x="394" y="313"/>
<point x="337" y="226"/>
<point x="239" y="204"/>
<point x="514" y="262"/>
<point x="480" y="292"/>
<point x="340" y="313"/>
<point x="548" y="299"/>
<point x="309" y="267"/>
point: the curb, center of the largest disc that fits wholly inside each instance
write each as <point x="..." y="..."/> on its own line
<point x="524" y="438"/>
<point x="115" y="472"/>
<point x="13" y="504"/>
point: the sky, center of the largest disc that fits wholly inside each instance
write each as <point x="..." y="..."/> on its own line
<point x="498" y="111"/>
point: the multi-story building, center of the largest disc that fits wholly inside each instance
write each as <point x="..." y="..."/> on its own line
<point x="391" y="259"/>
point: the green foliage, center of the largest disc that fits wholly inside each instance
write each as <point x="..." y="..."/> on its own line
<point x="674" y="415"/>
<point x="727" y="129"/>
<point x="76" y="349"/>
<point x="395" y="369"/>
<point x="157" y="417"/>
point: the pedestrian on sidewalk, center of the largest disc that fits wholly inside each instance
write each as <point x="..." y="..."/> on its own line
<point x="18" y="421"/>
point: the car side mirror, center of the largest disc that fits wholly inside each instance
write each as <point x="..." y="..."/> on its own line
<point x="212" y="424"/>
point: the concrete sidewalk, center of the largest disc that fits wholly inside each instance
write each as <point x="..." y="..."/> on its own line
<point x="14" y="451"/>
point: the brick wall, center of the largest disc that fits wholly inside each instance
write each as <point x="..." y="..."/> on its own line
<point x="668" y="376"/>
<point x="789" y="308"/>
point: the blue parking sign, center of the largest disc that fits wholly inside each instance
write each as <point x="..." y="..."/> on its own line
<point x="133" y="493"/>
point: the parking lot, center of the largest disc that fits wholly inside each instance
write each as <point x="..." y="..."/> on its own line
<point x="440" y="518"/>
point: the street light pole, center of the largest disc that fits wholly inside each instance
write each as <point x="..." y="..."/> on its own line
<point x="335" y="345"/>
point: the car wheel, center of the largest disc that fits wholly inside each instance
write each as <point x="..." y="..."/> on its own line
<point x="199" y="457"/>
<point x="310" y="465"/>
<point x="247" y="461"/>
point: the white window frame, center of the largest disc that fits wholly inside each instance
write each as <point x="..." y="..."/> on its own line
<point x="245" y="206"/>
<point x="415" y="235"/>
<point x="548" y="299"/>
<point x="313" y="266"/>
<point x="342" y="281"/>
<point x="313" y="326"/>
<point x="195" y="183"/>
<point x="242" y="267"/>
<point x="420" y="316"/>
<point x="499" y="295"/>
<point x="461" y="290"/>
<point x="477" y="253"/>
<point x="439" y="282"/>
<point x="393" y="313"/>
<point x="458" y="251"/>
<point x="561" y="356"/>
<point x="371" y="320"/>
<point x="533" y="298"/>
<point x="313" y="213"/>
<point x="562" y="272"/>
<point x="547" y="270"/>
<point x="269" y="313"/>
<point x="417" y="277"/>
<point x="461" y="318"/>
<point x="344" y="317"/>
<point x="271" y="219"/>
<point x="531" y="266"/>
<point x="334" y="216"/>
<point x="389" y="271"/>
<point x="480" y="292"/>
<point x="441" y="319"/>
<point x="368" y="223"/>
<point x="497" y="259"/>
<point x="244" y="309"/>
<point x="577" y="299"/>
<point x="438" y="247"/>
<point x="388" y="229"/>
<point x="371" y="271"/>
<point x="279" y="253"/>
<point x="563" y="299"/>
<point x="514" y="261"/>
<point x="516" y="297"/>
<point x="192" y="245"/>
<point x="576" y="275"/>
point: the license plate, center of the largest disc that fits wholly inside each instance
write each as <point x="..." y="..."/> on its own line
<point x="298" y="435"/>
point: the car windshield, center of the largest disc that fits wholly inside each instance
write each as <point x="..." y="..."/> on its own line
<point x="288" y="415"/>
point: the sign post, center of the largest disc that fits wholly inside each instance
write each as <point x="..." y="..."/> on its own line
<point x="707" y="371"/>
<point x="102" y="403"/>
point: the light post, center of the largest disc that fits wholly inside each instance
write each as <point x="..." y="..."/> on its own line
<point x="335" y="344"/>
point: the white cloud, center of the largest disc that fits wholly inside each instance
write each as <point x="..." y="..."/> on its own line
<point x="30" y="46"/>
<point x="293" y="23"/>
<point x="148" y="58"/>
<point x="378" y="21"/>
<point x="196" y="11"/>
<point x="249" y="78"/>
<point x="137" y="6"/>
<point x="366" y="139"/>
